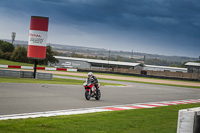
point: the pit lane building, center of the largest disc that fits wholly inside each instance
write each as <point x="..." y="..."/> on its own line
<point x="72" y="62"/>
<point x="193" y="67"/>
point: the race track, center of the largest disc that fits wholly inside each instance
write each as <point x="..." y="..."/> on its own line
<point x="27" y="98"/>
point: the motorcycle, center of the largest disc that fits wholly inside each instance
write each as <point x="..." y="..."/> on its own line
<point x="90" y="90"/>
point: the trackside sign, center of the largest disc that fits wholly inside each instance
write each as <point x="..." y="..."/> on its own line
<point x="37" y="37"/>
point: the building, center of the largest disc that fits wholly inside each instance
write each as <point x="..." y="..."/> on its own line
<point x="72" y="62"/>
<point x="164" y="68"/>
<point x="193" y="67"/>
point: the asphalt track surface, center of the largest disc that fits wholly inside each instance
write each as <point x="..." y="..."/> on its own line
<point x="18" y="98"/>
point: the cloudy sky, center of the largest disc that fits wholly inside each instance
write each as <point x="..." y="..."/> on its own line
<point x="167" y="27"/>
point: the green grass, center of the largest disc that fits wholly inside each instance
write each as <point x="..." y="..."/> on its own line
<point x="126" y="76"/>
<point x="54" y="81"/>
<point x="7" y="62"/>
<point x="198" y="87"/>
<point x="141" y="81"/>
<point x="154" y="120"/>
<point x="26" y="64"/>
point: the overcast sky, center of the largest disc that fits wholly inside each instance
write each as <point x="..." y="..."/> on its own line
<point x="167" y="27"/>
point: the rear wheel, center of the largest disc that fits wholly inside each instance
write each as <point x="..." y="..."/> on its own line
<point x="98" y="96"/>
<point x="87" y="95"/>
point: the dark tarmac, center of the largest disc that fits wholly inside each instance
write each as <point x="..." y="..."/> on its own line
<point x="18" y="98"/>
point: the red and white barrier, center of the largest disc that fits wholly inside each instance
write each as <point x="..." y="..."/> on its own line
<point x="4" y="66"/>
<point x="39" y="68"/>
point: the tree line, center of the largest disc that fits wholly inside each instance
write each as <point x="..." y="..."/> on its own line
<point x="19" y="54"/>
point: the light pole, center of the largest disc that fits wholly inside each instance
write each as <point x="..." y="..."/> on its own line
<point x="144" y="58"/>
<point x="199" y="70"/>
<point x="13" y="37"/>
<point x="132" y="54"/>
<point x="109" y="58"/>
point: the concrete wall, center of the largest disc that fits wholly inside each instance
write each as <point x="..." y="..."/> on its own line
<point x="174" y="74"/>
<point x="149" y="73"/>
<point x="133" y="71"/>
<point x="160" y="68"/>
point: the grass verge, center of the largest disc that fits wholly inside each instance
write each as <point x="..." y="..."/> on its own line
<point x="54" y="81"/>
<point x="140" y="81"/>
<point x="134" y="77"/>
<point x="7" y="62"/>
<point x="197" y="87"/>
<point x="2" y="61"/>
<point x="153" y="120"/>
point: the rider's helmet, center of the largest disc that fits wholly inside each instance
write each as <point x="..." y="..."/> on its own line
<point x="90" y="74"/>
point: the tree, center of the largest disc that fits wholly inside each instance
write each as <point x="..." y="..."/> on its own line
<point x="49" y="57"/>
<point x="1" y="54"/>
<point x="6" y="46"/>
<point x="183" y="65"/>
<point x="7" y="55"/>
<point x="19" y="54"/>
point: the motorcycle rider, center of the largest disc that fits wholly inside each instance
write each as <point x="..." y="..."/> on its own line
<point x="94" y="79"/>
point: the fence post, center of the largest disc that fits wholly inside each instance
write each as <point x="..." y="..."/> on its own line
<point x="35" y="68"/>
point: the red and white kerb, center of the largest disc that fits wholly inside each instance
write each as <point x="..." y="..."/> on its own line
<point x="38" y="37"/>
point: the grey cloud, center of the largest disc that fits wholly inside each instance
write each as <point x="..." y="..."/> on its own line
<point x="173" y="19"/>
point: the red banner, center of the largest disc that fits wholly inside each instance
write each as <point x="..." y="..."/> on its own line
<point x="38" y="37"/>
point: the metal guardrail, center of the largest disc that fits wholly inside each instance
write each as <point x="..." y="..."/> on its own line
<point x="25" y="74"/>
<point x="10" y="73"/>
<point x="46" y="76"/>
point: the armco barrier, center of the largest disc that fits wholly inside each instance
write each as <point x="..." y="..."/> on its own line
<point x="25" y="74"/>
<point x="10" y="73"/>
<point x="45" y="76"/>
<point x="38" y="68"/>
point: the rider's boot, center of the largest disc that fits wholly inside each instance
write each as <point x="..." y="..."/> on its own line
<point x="97" y="90"/>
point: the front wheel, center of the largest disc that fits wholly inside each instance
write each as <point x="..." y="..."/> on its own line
<point x="87" y="95"/>
<point x="98" y="96"/>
